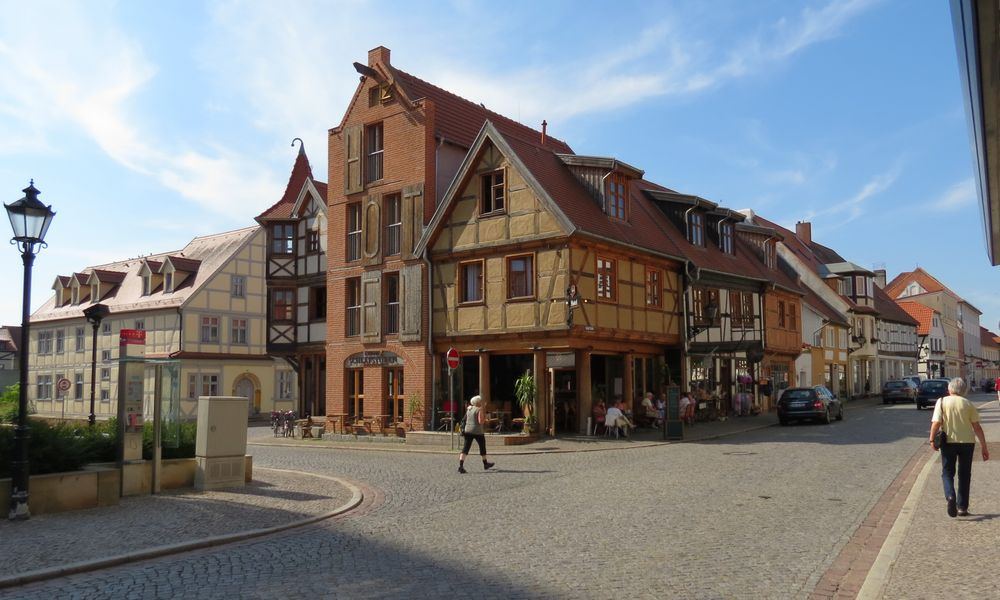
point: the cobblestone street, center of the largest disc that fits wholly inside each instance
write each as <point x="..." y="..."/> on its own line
<point x="761" y="514"/>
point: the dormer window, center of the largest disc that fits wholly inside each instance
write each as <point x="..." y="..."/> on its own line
<point x="168" y="281"/>
<point x="95" y="292"/>
<point x="726" y="237"/>
<point x="147" y="284"/>
<point x="616" y="196"/>
<point x="696" y="229"/>
<point x="494" y="193"/>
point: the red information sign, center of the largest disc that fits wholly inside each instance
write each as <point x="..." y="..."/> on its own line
<point x="132" y="336"/>
<point x="452" y="358"/>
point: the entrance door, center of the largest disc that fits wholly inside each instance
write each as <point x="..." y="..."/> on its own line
<point x="567" y="405"/>
<point x="246" y="389"/>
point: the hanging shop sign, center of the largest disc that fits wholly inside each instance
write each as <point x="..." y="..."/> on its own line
<point x="373" y="358"/>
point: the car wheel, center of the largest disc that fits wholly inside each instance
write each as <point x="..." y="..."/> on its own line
<point x="919" y="406"/>
<point x="826" y="416"/>
<point x="885" y="401"/>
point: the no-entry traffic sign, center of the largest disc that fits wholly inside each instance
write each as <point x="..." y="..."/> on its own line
<point x="452" y="358"/>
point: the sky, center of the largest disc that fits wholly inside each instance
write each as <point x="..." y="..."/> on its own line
<point x="147" y="123"/>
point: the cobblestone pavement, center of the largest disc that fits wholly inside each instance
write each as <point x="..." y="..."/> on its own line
<point x="759" y="514"/>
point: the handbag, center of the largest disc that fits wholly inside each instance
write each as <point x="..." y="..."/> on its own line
<point x="940" y="439"/>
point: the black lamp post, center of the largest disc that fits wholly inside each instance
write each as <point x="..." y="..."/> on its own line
<point x="30" y="220"/>
<point x="95" y="314"/>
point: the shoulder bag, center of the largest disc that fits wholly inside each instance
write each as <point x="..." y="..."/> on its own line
<point x="940" y="439"/>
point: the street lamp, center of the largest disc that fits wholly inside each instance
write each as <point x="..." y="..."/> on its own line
<point x="95" y="314"/>
<point x="30" y="220"/>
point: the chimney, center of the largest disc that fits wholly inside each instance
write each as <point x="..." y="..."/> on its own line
<point x="544" y="127"/>
<point x="880" y="278"/>
<point x="379" y="55"/>
<point x="803" y="229"/>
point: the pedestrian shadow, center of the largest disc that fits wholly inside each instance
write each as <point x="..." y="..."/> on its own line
<point x="981" y="518"/>
<point x="499" y="470"/>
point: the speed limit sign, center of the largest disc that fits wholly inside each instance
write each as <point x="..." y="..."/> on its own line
<point x="63" y="385"/>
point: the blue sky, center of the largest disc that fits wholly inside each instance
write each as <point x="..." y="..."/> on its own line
<point x="146" y="123"/>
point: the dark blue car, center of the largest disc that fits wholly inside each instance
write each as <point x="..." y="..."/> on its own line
<point x="815" y="402"/>
<point x="930" y="390"/>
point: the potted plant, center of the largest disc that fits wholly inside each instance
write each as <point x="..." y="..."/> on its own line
<point x="525" y="391"/>
<point x="415" y="406"/>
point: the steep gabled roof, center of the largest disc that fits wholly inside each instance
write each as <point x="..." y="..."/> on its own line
<point x="888" y="310"/>
<point x="181" y="263"/>
<point x="924" y="315"/>
<point x="301" y="172"/>
<point x="988" y="338"/>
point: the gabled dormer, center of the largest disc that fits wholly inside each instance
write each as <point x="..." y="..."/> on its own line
<point x="79" y="289"/>
<point x="607" y="179"/>
<point x="61" y="286"/>
<point x="764" y="240"/>
<point x="103" y="283"/>
<point x="721" y="229"/>
<point x="176" y="271"/>
<point x="852" y="281"/>
<point x="690" y="214"/>
<point x="152" y="278"/>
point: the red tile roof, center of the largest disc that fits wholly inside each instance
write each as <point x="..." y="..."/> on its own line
<point x="988" y="338"/>
<point x="459" y="120"/>
<point x="924" y="315"/>
<point x="900" y="282"/>
<point x="301" y="170"/>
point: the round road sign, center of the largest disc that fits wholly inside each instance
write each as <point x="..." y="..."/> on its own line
<point x="63" y="384"/>
<point x="452" y="358"/>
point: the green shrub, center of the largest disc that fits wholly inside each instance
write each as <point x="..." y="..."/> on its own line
<point x="185" y="449"/>
<point x="57" y="448"/>
<point x="8" y="403"/>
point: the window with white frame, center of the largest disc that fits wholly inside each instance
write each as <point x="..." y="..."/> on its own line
<point x="105" y="395"/>
<point x="60" y="341"/>
<point x="286" y="384"/>
<point x="43" y="387"/>
<point x="105" y="355"/>
<point x="239" y="331"/>
<point x="726" y="237"/>
<point x="168" y="281"/>
<point x="696" y="229"/>
<point x="607" y="282"/>
<point x="203" y="384"/>
<point x="105" y="328"/>
<point x="105" y="374"/>
<point x="78" y="386"/>
<point x="210" y="329"/>
<point x="45" y="342"/>
<point x="392" y="211"/>
<point x="140" y="325"/>
<point x="238" y="286"/>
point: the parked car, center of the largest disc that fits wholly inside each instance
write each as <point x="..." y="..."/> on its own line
<point x="814" y="402"/>
<point x="896" y="390"/>
<point x="914" y="379"/>
<point x="989" y="385"/>
<point x="930" y="390"/>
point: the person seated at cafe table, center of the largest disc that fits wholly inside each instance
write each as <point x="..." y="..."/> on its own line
<point x="648" y="410"/>
<point x="615" y="417"/>
<point x="599" y="413"/>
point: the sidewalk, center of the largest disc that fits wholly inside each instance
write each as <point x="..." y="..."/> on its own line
<point x="49" y="546"/>
<point x="930" y="555"/>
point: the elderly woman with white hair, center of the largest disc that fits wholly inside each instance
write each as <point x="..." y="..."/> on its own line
<point x="472" y="429"/>
<point x="960" y="421"/>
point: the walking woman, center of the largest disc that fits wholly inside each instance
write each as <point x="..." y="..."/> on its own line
<point x="473" y="430"/>
<point x="960" y="421"/>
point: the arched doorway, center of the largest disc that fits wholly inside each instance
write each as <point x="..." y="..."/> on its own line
<point x="246" y="388"/>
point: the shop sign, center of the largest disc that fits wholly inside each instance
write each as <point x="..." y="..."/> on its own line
<point x="373" y="358"/>
<point x="557" y="360"/>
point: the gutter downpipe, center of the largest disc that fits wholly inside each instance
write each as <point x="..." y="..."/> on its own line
<point x="430" y="337"/>
<point x="687" y="223"/>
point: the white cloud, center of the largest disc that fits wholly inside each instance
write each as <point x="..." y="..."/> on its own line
<point x="958" y="196"/>
<point x="852" y="208"/>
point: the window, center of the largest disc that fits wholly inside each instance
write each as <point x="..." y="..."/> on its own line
<point x="238" y="331"/>
<point x="105" y="355"/>
<point x="847" y="286"/>
<point x="140" y="325"/>
<point x="741" y="308"/>
<point x="105" y="395"/>
<point x="493" y="193"/>
<point x="353" y="321"/>
<point x="616" y="199"/>
<point x="80" y="345"/>
<point x="312" y="241"/>
<point x="317" y="303"/>
<point x="60" y="341"/>
<point x="43" y="387"/>
<point x="696" y="229"/>
<point x="105" y="374"/>
<point x="781" y="314"/>
<point x="354" y="231"/>
<point x="394" y="393"/>
<point x="238" y="286"/>
<point x="355" y="392"/>
<point x="78" y="386"/>
<point x="45" y="342"/>
<point x="75" y="295"/>
<point x="168" y="282"/>
<point x="606" y="283"/>
<point x="147" y="284"/>
<point x="373" y="152"/>
<point x="201" y="384"/>
<point x="390" y="285"/>
<point x="105" y="328"/>
<point x="471" y="288"/>
<point x="791" y="317"/>
<point x="282" y="238"/>
<point x="286" y="384"/>
<point x="654" y="288"/>
<point x="520" y="276"/>
<point x="210" y="329"/>
<point x="392" y="209"/>
<point x="282" y="305"/>
<point x="726" y="237"/>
